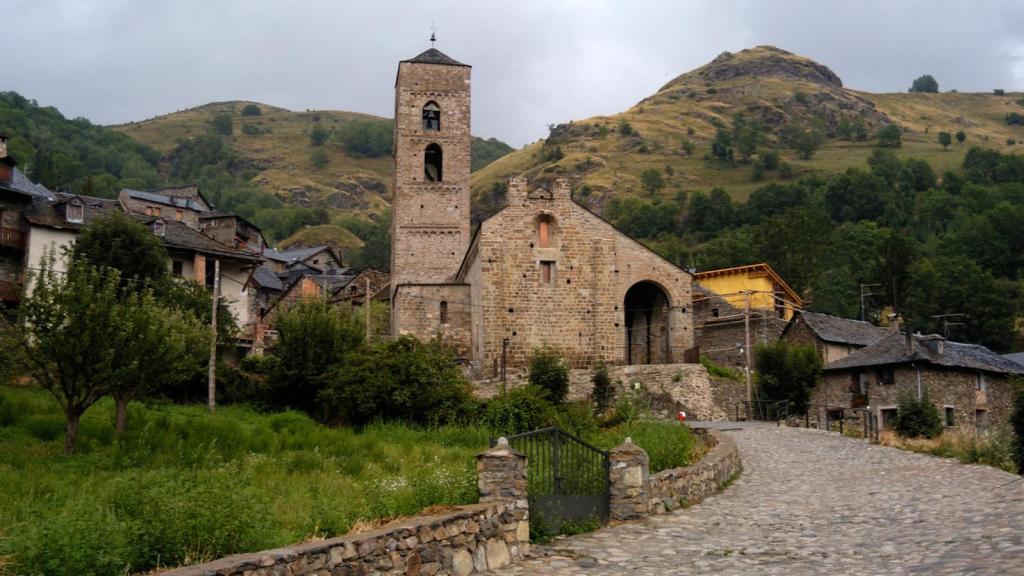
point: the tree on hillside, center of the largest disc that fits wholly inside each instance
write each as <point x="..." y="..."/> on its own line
<point x="222" y="124"/>
<point x="366" y="138"/>
<point x="961" y="136"/>
<point x="746" y="136"/>
<point x="804" y="138"/>
<point x="123" y="243"/>
<point x="890" y="136"/>
<point x="251" y="110"/>
<point x="318" y="135"/>
<point x="721" y="148"/>
<point x="945" y="138"/>
<point x="79" y="338"/>
<point x="652" y="181"/>
<point x="925" y="83"/>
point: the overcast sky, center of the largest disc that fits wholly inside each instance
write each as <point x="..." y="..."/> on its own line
<point x="534" y="62"/>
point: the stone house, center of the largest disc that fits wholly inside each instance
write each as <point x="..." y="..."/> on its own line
<point x="306" y="287"/>
<point x="355" y="291"/>
<point x="542" y="271"/>
<point x="969" y="384"/>
<point x="312" y="258"/>
<point x="177" y="203"/>
<point x="233" y="230"/>
<point x="16" y="195"/>
<point x="832" y="337"/>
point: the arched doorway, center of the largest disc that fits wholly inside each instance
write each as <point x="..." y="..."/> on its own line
<point x="646" y="307"/>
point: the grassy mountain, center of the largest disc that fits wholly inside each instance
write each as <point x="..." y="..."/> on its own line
<point x="673" y="130"/>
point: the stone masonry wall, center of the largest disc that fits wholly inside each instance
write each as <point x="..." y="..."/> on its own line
<point x="636" y="493"/>
<point x="672" y="387"/>
<point x="945" y="387"/>
<point x="417" y="308"/>
<point x="473" y="539"/>
<point x="581" y="309"/>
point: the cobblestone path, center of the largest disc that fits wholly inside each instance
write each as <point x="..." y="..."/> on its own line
<point x="810" y="502"/>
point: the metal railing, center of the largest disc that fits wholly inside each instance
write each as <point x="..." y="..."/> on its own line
<point x="825" y="415"/>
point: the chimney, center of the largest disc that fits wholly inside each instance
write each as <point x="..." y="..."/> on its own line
<point x="910" y="341"/>
<point x="894" y="322"/>
<point x="7" y="163"/>
<point x="3" y="145"/>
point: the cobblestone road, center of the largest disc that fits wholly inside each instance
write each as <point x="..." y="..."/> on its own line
<point x="809" y="502"/>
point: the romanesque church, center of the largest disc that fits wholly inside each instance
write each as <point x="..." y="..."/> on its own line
<point x="542" y="271"/>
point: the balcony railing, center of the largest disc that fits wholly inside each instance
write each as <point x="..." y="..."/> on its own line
<point x="10" y="291"/>
<point x="12" y="238"/>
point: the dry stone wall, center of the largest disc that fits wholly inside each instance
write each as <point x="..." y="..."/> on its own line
<point x="636" y="493"/>
<point x="671" y="387"/>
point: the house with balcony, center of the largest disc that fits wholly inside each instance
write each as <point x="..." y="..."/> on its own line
<point x="17" y="193"/>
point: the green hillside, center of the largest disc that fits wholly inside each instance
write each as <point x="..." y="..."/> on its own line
<point x="673" y="130"/>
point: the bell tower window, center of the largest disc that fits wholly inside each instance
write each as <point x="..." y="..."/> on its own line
<point x="432" y="163"/>
<point x="432" y="117"/>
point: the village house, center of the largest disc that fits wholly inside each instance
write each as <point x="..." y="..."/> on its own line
<point x="233" y="230"/>
<point x="354" y="293"/>
<point x="16" y="194"/>
<point x="178" y="203"/>
<point x="542" y="271"/>
<point x="316" y="259"/>
<point x="831" y="336"/>
<point x="720" y="310"/>
<point x="969" y="384"/>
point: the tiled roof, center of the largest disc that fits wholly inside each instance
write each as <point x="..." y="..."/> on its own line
<point x="892" y="349"/>
<point x="435" y="56"/>
<point x="842" y="330"/>
<point x="178" y="235"/>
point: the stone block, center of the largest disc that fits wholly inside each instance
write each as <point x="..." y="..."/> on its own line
<point x="497" y="554"/>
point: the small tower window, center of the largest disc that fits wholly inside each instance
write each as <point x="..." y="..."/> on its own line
<point x="432" y="117"/>
<point x="544" y="232"/>
<point x="547" y="271"/>
<point x="432" y="163"/>
<point x="444" y="312"/>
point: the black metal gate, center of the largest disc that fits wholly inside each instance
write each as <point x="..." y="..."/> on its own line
<point x="566" y="477"/>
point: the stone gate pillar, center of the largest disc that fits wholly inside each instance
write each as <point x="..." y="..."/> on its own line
<point x="627" y="479"/>
<point x="501" y="474"/>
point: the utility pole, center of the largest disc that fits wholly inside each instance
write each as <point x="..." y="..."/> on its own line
<point x="366" y="303"/>
<point x="944" y="318"/>
<point x="212" y="385"/>
<point x="746" y="338"/>
<point x="864" y="294"/>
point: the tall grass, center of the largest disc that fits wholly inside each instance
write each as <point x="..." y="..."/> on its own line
<point x="184" y="486"/>
<point x="994" y="448"/>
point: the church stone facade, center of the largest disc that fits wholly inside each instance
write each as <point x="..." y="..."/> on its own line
<point x="542" y="271"/>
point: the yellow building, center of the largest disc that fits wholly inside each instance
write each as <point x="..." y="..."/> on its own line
<point x="769" y="292"/>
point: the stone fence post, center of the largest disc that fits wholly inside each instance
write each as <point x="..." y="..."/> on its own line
<point x="630" y="470"/>
<point x="501" y="474"/>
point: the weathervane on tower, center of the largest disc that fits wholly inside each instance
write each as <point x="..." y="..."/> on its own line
<point x="433" y="34"/>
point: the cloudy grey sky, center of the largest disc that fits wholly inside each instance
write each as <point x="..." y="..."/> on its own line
<point x="535" y="62"/>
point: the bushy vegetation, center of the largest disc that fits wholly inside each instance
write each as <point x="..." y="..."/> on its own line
<point x="74" y="154"/>
<point x="603" y="393"/>
<point x="917" y="417"/>
<point x="549" y="372"/>
<point x="992" y="448"/>
<point x="183" y="485"/>
<point x="787" y="372"/>
<point x="925" y="83"/>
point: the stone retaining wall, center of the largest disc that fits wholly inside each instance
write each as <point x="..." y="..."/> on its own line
<point x="473" y="538"/>
<point x="673" y="387"/>
<point x="636" y="493"/>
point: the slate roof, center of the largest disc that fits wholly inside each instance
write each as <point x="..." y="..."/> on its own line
<point x="1017" y="357"/>
<point x="176" y="201"/>
<point x="295" y="255"/>
<point x="21" y="183"/>
<point x="931" y="349"/>
<point x="178" y="235"/>
<point x="435" y="56"/>
<point x="842" y="330"/>
<point x="44" y="212"/>
<point x="265" y="278"/>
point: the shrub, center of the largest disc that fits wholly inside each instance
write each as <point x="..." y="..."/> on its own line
<point x="251" y="110"/>
<point x="222" y="124"/>
<point x="403" y="379"/>
<point x="1011" y="141"/>
<point x="629" y="408"/>
<point x="999" y="92"/>
<point x="917" y="417"/>
<point x="770" y="160"/>
<point x="1014" y="118"/>
<point x="577" y="418"/>
<point x="550" y="372"/>
<point x="785" y="170"/>
<point x="890" y="136"/>
<point x="318" y="158"/>
<point x="603" y="393"/>
<point x="787" y="372"/>
<point x="757" y="171"/>
<point x="625" y="128"/>
<point x="668" y="445"/>
<point x="318" y="135"/>
<point x="925" y="83"/>
<point x="366" y="138"/>
<point x="521" y="409"/>
<point x="720" y="371"/>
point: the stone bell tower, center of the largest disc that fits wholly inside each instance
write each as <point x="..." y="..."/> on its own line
<point x="430" y="210"/>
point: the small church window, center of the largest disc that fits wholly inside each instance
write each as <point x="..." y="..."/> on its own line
<point x="544" y="232"/>
<point x="432" y="117"/>
<point x="547" y="271"/>
<point x="444" y="312"/>
<point x="432" y="163"/>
